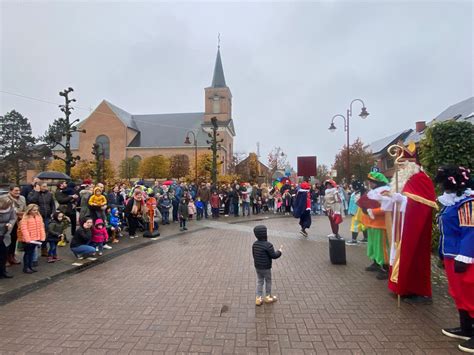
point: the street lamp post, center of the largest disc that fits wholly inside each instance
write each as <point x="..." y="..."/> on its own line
<point x="363" y="114"/>
<point x="188" y="141"/>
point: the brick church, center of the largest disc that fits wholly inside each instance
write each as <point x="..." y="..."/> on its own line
<point x="124" y="135"/>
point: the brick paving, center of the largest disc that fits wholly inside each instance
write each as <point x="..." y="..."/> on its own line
<point x="195" y="293"/>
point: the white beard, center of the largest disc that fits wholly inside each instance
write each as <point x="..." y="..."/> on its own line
<point x="406" y="171"/>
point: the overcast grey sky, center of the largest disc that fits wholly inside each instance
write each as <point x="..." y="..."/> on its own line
<point x="290" y="66"/>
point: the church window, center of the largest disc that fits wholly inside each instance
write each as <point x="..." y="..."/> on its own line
<point x="104" y="145"/>
<point x="137" y="158"/>
<point x="216" y="105"/>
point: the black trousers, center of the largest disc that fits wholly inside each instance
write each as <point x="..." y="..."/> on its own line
<point x="3" y="257"/>
<point x="132" y="225"/>
<point x="14" y="236"/>
<point x="72" y="217"/>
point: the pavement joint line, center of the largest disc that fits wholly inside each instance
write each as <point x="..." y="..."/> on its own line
<point x="22" y="291"/>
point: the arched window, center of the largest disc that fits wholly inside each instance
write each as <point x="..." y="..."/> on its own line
<point x="137" y="158"/>
<point x="216" y="105"/>
<point x="104" y="146"/>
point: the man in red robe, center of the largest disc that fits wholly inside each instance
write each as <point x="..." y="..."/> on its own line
<point x="410" y="259"/>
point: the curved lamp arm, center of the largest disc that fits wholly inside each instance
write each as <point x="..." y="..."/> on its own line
<point x="363" y="114"/>
<point x="332" y="127"/>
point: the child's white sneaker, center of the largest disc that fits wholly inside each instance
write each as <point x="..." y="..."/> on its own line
<point x="270" y="299"/>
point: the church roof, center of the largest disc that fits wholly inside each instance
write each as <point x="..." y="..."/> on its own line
<point x="124" y="116"/>
<point x="218" y="79"/>
<point x="168" y="130"/>
<point x="162" y="130"/>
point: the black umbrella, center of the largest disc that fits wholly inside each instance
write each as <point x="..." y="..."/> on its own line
<point x="53" y="175"/>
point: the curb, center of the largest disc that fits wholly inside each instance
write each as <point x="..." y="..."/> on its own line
<point x="22" y="291"/>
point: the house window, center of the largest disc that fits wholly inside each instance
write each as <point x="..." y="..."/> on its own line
<point x="137" y="158"/>
<point x="104" y="146"/>
<point x="216" y="105"/>
<point x="389" y="163"/>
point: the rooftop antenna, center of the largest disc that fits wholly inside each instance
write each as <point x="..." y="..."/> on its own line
<point x="218" y="40"/>
<point x="258" y="149"/>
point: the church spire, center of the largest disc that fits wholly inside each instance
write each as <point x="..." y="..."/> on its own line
<point x="218" y="79"/>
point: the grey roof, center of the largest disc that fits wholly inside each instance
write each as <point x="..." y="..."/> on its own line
<point x="414" y="137"/>
<point x="168" y="130"/>
<point x="218" y="79"/>
<point x="461" y="110"/>
<point x="124" y="116"/>
<point x="378" y="146"/>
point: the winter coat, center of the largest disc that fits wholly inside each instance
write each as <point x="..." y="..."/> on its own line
<point x="205" y="194"/>
<point x="99" y="235"/>
<point x="45" y="202"/>
<point x="25" y="191"/>
<point x="82" y="236"/>
<point x="32" y="228"/>
<point x="7" y="217"/>
<point x="191" y="208"/>
<point x="115" y="199"/>
<point x="183" y="211"/>
<point x="97" y="201"/>
<point x="55" y="229"/>
<point x="114" y="219"/>
<point x="85" y="195"/>
<point x="65" y="201"/>
<point x="19" y="204"/>
<point x="215" y="201"/>
<point x="199" y="205"/>
<point x="263" y="253"/>
<point x="165" y="204"/>
<point x="139" y="211"/>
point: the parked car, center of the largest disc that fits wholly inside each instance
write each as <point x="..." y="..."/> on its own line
<point x="3" y="192"/>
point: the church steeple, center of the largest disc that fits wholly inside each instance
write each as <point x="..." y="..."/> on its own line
<point x="218" y="98"/>
<point x="218" y="79"/>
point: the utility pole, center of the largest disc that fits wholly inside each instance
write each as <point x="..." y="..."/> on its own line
<point x="215" y="145"/>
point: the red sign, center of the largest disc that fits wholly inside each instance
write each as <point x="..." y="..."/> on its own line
<point x="307" y="166"/>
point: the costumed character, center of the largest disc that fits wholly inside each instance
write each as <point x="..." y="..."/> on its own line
<point x="356" y="213"/>
<point x="456" y="247"/>
<point x="332" y="205"/>
<point x="373" y="217"/>
<point x="302" y="207"/>
<point x="411" y="212"/>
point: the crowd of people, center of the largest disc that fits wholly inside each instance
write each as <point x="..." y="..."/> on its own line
<point x="395" y="219"/>
<point x="36" y="221"/>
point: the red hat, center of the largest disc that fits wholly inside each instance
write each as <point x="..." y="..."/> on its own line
<point x="86" y="181"/>
<point x="331" y="182"/>
<point x="305" y="185"/>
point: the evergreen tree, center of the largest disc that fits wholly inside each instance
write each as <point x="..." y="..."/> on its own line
<point x="16" y="143"/>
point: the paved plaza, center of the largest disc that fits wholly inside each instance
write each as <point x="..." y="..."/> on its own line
<point x="195" y="293"/>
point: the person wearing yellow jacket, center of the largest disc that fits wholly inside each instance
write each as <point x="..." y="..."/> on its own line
<point x="98" y="204"/>
<point x="373" y="218"/>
